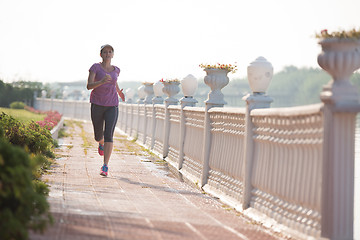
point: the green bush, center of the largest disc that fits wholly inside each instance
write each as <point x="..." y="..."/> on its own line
<point x="36" y="139"/>
<point x="23" y="203"/>
<point x="17" y="105"/>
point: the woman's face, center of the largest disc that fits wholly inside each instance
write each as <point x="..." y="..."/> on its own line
<point x="107" y="53"/>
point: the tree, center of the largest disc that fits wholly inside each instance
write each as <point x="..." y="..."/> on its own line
<point x="18" y="91"/>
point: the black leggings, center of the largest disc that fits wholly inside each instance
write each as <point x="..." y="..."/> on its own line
<point x="101" y="114"/>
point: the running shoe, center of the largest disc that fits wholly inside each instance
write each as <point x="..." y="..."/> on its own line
<point x="104" y="170"/>
<point x="101" y="149"/>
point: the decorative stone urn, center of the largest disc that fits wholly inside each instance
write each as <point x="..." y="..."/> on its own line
<point x="216" y="79"/>
<point x="129" y="95"/>
<point x="149" y="92"/>
<point x="171" y="88"/>
<point x="259" y="74"/>
<point x="189" y="84"/>
<point x="141" y="93"/>
<point x="340" y="58"/>
<point x="158" y="91"/>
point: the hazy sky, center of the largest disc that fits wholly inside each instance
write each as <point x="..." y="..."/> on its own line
<point x="48" y="40"/>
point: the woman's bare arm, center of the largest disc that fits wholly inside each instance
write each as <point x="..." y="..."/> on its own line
<point x="91" y="84"/>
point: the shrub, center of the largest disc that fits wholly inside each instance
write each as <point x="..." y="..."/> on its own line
<point x="35" y="138"/>
<point x="23" y="203"/>
<point x="17" y="105"/>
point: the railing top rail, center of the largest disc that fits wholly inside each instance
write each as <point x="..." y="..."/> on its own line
<point x="159" y="106"/>
<point x="231" y="110"/>
<point x="194" y="109"/>
<point x="130" y="104"/>
<point x="61" y="100"/>
<point x="174" y="107"/>
<point x="289" y="111"/>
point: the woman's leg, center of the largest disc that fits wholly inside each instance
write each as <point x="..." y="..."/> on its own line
<point x="111" y="116"/>
<point x="97" y="119"/>
<point x="108" y="147"/>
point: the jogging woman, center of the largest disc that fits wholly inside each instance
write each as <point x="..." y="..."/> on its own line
<point x="104" y="102"/>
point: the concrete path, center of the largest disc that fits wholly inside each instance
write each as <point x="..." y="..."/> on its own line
<point x="140" y="199"/>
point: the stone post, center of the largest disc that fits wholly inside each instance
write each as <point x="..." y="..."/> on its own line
<point x="340" y="58"/>
<point x="185" y="102"/>
<point x="129" y="93"/>
<point x="259" y="76"/>
<point x="158" y="91"/>
<point x="145" y="124"/>
<point x="189" y="85"/>
<point x="140" y="101"/>
<point x="53" y="93"/>
<point x="129" y="118"/>
<point x="216" y="79"/>
<point x="170" y="89"/>
<point x="149" y="90"/>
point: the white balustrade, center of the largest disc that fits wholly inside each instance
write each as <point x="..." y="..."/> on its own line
<point x="191" y="164"/>
<point x="226" y="151"/>
<point x="286" y="175"/>
<point x="174" y="130"/>
<point x="293" y="165"/>
<point x="68" y="108"/>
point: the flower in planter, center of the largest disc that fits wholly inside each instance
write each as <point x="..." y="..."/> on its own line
<point x="174" y="80"/>
<point x="51" y="120"/>
<point x="148" y="83"/>
<point x="229" y="67"/>
<point x="351" y="34"/>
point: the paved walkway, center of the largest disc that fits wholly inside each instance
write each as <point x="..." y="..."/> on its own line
<point x="140" y="199"/>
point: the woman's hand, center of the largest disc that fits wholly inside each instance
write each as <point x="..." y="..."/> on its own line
<point x="106" y="79"/>
<point x="121" y="94"/>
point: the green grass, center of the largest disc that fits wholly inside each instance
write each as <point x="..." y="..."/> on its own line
<point x="23" y="115"/>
